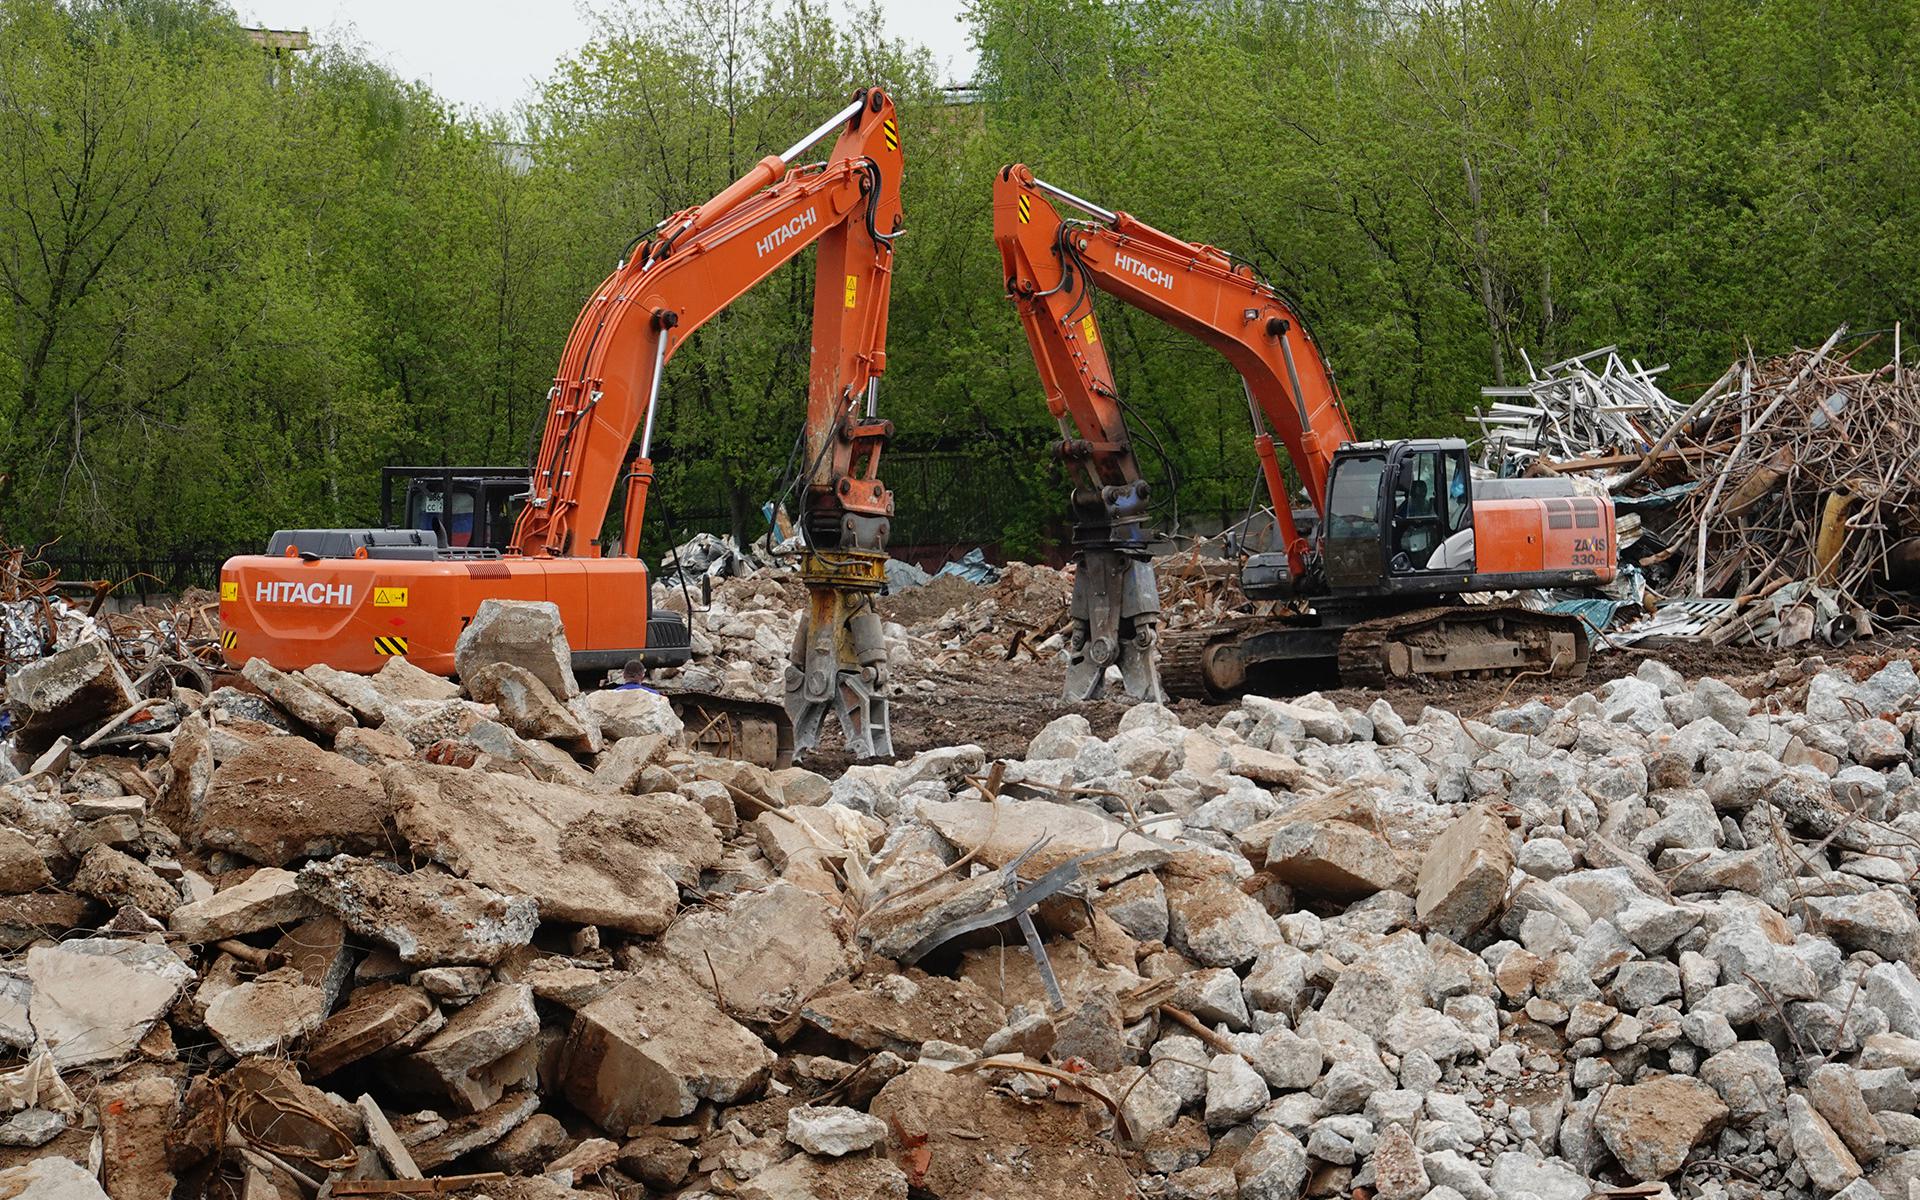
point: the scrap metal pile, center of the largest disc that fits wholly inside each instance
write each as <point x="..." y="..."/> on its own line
<point x="1569" y="410"/>
<point x="40" y="614"/>
<point x="1787" y="496"/>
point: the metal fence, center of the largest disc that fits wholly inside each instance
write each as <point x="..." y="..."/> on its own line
<point x="142" y="575"/>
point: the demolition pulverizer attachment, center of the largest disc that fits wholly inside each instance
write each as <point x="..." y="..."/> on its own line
<point x="839" y="660"/>
<point x="1116" y="622"/>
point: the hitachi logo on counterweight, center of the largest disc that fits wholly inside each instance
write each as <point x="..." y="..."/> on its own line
<point x="286" y="592"/>
<point x="1146" y="271"/>
<point x="781" y="233"/>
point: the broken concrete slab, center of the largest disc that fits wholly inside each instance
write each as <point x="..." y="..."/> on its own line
<point x="1272" y="770"/>
<point x="805" y="1178"/>
<point x="65" y="691"/>
<point x="399" y="681"/>
<point x="286" y="799"/>
<point x="766" y="950"/>
<point x="524" y="633"/>
<point x="138" y="1117"/>
<point x="452" y="1063"/>
<point x="982" y="1142"/>
<point x="1651" y="1127"/>
<point x="37" y="915"/>
<point x="1881" y="921"/>
<point x="1209" y="918"/>
<point x="302" y="701"/>
<point x="1002" y="830"/>
<point x="268" y="897"/>
<point x="528" y="1148"/>
<point x="1328" y="857"/>
<point x="1463" y="879"/>
<point x="318" y="950"/>
<point x="371" y="748"/>
<point x="905" y="920"/>
<point x="612" y="861"/>
<point x="16" y="1026"/>
<point x="118" y="880"/>
<point x="31" y="1128"/>
<point x="356" y="693"/>
<point x="266" y="1015"/>
<point x="22" y="867"/>
<point x="426" y="916"/>
<point x="834" y="1131"/>
<point x="95" y="998"/>
<point x="455" y="985"/>
<point x="633" y="712"/>
<point x="802" y="842"/>
<point x="750" y="786"/>
<point x="530" y="709"/>
<point x="799" y="786"/>
<point x="1007" y="974"/>
<point x="1818" y="1149"/>
<point x="622" y="765"/>
<point x="654" y="1047"/>
<point x="1834" y="1091"/>
<point x="51" y="1178"/>
<point x="902" y="1012"/>
<point x="374" y="1018"/>
<point x="466" y="1134"/>
<point x="584" y="1161"/>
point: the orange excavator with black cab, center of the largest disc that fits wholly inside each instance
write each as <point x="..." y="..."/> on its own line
<point x="352" y="598"/>
<point x="1401" y="529"/>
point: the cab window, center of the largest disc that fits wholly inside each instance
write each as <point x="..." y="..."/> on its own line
<point x="1454" y="475"/>
<point x="1353" y="502"/>
<point x="427" y="514"/>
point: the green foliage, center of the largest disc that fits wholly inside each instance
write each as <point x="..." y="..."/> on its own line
<point x="234" y="289"/>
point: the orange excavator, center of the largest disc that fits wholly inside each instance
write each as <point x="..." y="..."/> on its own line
<point x="1399" y="530"/>
<point x="353" y="598"/>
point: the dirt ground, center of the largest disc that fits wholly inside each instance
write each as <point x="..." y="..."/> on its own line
<point x="933" y="599"/>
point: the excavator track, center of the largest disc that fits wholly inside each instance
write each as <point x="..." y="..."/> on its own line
<point x="1462" y="640"/>
<point x="1183" y="657"/>
<point x="1214" y="663"/>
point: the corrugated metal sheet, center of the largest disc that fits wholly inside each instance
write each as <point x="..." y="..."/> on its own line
<point x="1678" y="619"/>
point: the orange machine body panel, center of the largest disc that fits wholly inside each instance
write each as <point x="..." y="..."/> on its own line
<point x="1527" y="536"/>
<point x="356" y="613"/>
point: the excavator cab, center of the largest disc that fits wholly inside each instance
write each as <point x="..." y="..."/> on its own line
<point x="1398" y="512"/>
<point x="467" y="508"/>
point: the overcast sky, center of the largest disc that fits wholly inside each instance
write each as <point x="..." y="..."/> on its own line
<point x="489" y="52"/>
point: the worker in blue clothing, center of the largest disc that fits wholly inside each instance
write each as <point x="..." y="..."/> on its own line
<point x="633" y="678"/>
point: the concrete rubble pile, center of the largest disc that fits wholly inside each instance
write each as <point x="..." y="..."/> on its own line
<point x="742" y="632"/>
<point x="354" y="935"/>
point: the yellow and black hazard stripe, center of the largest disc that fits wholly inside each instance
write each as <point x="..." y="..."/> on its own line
<point x="228" y="639"/>
<point x="390" y="646"/>
<point x="891" y="132"/>
<point x="1026" y="210"/>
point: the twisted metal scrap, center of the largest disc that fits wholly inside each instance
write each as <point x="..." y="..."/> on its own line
<point x="1798" y="469"/>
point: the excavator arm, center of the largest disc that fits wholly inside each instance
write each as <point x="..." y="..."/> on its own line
<point x="1052" y="265"/>
<point x="676" y="278"/>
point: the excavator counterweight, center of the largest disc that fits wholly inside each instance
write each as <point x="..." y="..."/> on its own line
<point x="1401" y="529"/>
<point x="355" y="598"/>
